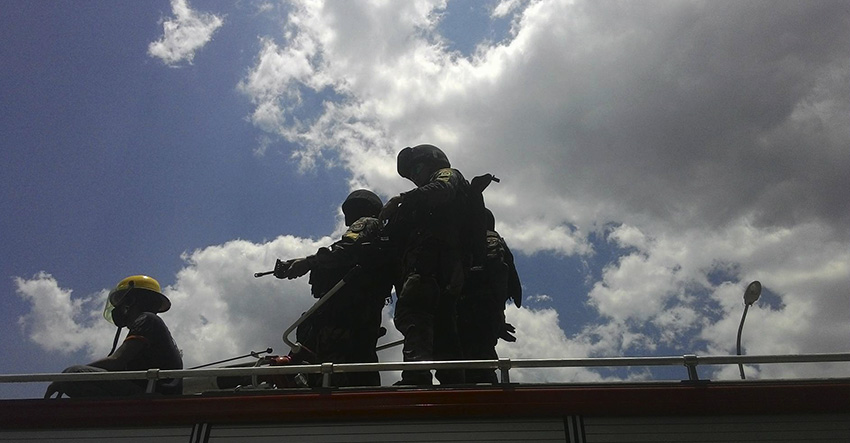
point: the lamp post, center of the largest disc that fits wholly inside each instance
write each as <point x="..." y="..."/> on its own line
<point x="751" y="294"/>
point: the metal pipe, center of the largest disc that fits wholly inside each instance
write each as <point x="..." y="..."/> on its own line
<point x="740" y="330"/>
<point x="460" y="364"/>
<point x="751" y="294"/>
<point x="391" y="344"/>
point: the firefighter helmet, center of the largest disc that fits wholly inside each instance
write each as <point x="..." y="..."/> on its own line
<point x="361" y="203"/>
<point x="136" y="288"/>
<point x="411" y="160"/>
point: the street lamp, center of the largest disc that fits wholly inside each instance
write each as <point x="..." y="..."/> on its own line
<point x="751" y="294"/>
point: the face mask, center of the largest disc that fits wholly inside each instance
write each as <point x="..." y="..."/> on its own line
<point x="119" y="315"/>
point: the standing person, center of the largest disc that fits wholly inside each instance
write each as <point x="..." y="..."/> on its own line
<point x="134" y="303"/>
<point x="347" y="327"/>
<point x="426" y="223"/>
<point x="481" y="308"/>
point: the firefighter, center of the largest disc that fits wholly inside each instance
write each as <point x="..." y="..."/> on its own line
<point x="133" y="303"/>
<point x="426" y="224"/>
<point x="346" y="328"/>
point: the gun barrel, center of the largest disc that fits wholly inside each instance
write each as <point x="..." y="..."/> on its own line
<point x="260" y="274"/>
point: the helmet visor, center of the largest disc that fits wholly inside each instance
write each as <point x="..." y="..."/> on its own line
<point x="115" y="298"/>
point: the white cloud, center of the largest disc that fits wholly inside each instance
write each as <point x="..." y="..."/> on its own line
<point x="540" y="337"/>
<point x="505" y="7"/>
<point x="539" y="298"/>
<point x="663" y="292"/>
<point x="598" y="122"/>
<point x="59" y="323"/>
<point x="184" y="34"/>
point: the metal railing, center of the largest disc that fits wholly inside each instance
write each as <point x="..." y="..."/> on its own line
<point x="504" y="366"/>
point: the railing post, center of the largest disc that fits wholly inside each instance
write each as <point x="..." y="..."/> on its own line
<point x="504" y="368"/>
<point x="152" y="375"/>
<point x="691" y="362"/>
<point x="327" y="370"/>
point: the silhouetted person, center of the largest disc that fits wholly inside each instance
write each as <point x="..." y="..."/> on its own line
<point x="426" y="224"/>
<point x="346" y="328"/>
<point x="481" y="308"/>
<point x="133" y="303"/>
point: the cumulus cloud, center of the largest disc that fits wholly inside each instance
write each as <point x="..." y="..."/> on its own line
<point x="663" y="291"/>
<point x="604" y="113"/>
<point x="184" y="34"/>
<point x="540" y="337"/>
<point x="60" y="323"/>
<point x="505" y="7"/>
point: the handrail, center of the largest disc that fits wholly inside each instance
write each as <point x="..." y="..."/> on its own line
<point x="296" y="346"/>
<point x="504" y="365"/>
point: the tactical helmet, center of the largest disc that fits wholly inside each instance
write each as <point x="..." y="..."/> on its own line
<point x="361" y="203"/>
<point x="136" y="288"/>
<point x="420" y="156"/>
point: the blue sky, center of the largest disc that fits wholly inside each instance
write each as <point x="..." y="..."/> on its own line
<point x="654" y="161"/>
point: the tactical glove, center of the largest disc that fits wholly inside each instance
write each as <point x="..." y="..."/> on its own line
<point x="298" y="268"/>
<point x="281" y="267"/>
<point x="505" y="333"/>
<point x="53" y="389"/>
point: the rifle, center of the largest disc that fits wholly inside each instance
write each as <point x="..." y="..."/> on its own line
<point x="280" y="266"/>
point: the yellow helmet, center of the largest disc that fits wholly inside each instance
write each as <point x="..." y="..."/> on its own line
<point x="133" y="288"/>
